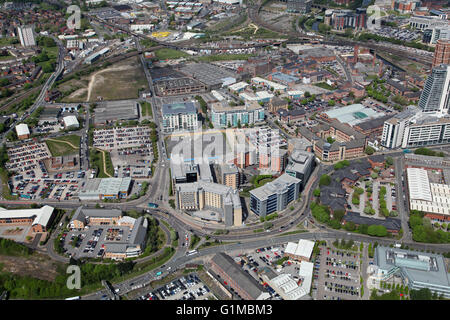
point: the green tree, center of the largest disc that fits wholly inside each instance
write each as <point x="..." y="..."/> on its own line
<point x="369" y="150"/>
<point x="325" y="180"/>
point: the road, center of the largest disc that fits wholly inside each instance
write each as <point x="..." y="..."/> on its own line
<point x="402" y="206"/>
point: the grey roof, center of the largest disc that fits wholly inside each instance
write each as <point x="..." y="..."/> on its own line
<point x="299" y="161"/>
<point x="389" y="223"/>
<point x="317" y="52"/>
<point x="208" y="74"/>
<point x="278" y="185"/>
<point x="335" y="203"/>
<point x="276" y="101"/>
<point x="373" y="123"/>
<point x="377" y="158"/>
<point x="81" y="213"/>
<point x="423" y="269"/>
<point x="229" y="169"/>
<point x="178" y="108"/>
<point x="244" y="280"/>
<point x="139" y="232"/>
<point x="49" y="113"/>
<point x="105" y="186"/>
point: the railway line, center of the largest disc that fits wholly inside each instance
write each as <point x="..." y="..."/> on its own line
<point x="253" y="13"/>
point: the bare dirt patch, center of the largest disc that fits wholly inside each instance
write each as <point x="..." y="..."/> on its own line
<point x="36" y="266"/>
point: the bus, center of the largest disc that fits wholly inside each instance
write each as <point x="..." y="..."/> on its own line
<point x="74" y="298"/>
<point x="152" y="205"/>
<point x="190" y="253"/>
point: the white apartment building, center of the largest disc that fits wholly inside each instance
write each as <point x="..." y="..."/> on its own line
<point x="179" y="116"/>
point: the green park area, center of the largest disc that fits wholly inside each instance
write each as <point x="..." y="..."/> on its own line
<point x="65" y="145"/>
<point x="146" y="109"/>
<point x="101" y="161"/>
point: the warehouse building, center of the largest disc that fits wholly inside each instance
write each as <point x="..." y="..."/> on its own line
<point x="231" y="274"/>
<point x="431" y="198"/>
<point x="301" y="251"/>
<point x="71" y="122"/>
<point x="292" y="289"/>
<point x="275" y="195"/>
<point x="49" y="115"/>
<point x="106" y="188"/>
<point x="212" y="76"/>
<point x="22" y="131"/>
<point x="39" y="219"/>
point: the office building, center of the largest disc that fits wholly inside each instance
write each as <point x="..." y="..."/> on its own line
<point x="134" y="244"/>
<point x="394" y="128"/>
<point x="179" y="116"/>
<point x="442" y="52"/>
<point x="39" y="219"/>
<point x="301" y="164"/>
<point x="234" y="276"/>
<point x="274" y="196"/>
<point x="431" y="36"/>
<point x="436" y="92"/>
<point x="223" y="115"/>
<point x="300" y="6"/>
<point x="417" y="269"/>
<point x="426" y="130"/>
<point x="26" y="36"/>
<point x="94" y="217"/>
<point x="209" y="196"/>
<point x="426" y="22"/>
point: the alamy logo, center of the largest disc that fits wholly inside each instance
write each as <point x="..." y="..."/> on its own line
<point x="74" y="280"/>
<point x="74" y="20"/>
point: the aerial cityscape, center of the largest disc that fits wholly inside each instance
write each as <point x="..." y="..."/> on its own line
<point x="225" y="150"/>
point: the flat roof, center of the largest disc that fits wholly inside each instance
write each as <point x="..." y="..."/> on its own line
<point x="22" y="129"/>
<point x="353" y="114"/>
<point x="178" y="108"/>
<point x="105" y="186"/>
<point x="426" y="269"/>
<point x="278" y="185"/>
<point x="71" y="121"/>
